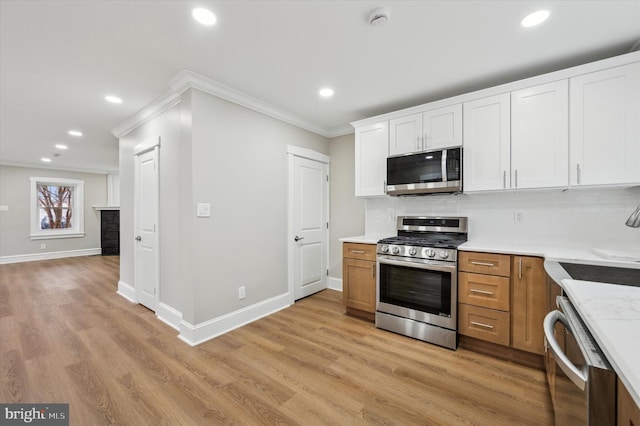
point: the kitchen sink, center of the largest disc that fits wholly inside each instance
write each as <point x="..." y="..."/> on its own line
<point x="603" y="274"/>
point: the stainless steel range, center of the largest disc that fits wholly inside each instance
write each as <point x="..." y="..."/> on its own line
<point x="417" y="279"/>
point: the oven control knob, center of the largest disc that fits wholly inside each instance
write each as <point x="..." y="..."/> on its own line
<point x="431" y="253"/>
<point x="444" y="254"/>
<point x="412" y="251"/>
<point x="384" y="249"/>
<point x="395" y="250"/>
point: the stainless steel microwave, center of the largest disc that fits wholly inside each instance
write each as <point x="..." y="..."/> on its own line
<point x="426" y="172"/>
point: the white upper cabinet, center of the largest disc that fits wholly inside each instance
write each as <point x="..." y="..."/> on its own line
<point x="442" y="127"/>
<point x="487" y="144"/>
<point x="405" y="134"/>
<point x="540" y="136"/>
<point x="371" y="151"/>
<point x="433" y="129"/>
<point x="605" y="127"/>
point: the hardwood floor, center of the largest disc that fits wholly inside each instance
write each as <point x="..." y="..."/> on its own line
<point x="66" y="336"/>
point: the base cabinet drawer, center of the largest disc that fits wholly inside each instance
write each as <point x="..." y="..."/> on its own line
<point x="484" y="323"/>
<point x="359" y="251"/>
<point x="485" y="263"/>
<point x="486" y="291"/>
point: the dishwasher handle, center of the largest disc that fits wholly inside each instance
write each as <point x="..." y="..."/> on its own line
<point x="577" y="376"/>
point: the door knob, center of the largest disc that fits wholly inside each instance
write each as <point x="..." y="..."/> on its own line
<point x="138" y="238"/>
<point x="298" y="238"/>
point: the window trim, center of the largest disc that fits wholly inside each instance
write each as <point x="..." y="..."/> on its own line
<point x="77" y="230"/>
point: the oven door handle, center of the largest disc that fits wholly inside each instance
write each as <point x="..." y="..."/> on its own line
<point x="577" y="376"/>
<point x="432" y="266"/>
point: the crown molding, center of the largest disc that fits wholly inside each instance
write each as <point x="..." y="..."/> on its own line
<point x="187" y="79"/>
<point x="341" y="131"/>
<point x="56" y="167"/>
<point x="148" y="113"/>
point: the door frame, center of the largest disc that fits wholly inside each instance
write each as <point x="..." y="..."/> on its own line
<point x="292" y="152"/>
<point x="151" y="144"/>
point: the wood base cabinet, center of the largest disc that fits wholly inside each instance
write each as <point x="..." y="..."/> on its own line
<point x="529" y="304"/>
<point x="359" y="279"/>
<point x="628" y="411"/>
<point x="502" y="299"/>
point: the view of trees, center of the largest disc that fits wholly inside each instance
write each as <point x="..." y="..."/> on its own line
<point x="55" y="205"/>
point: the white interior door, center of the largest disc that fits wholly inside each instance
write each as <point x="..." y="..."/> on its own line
<point x="146" y="225"/>
<point x="309" y="202"/>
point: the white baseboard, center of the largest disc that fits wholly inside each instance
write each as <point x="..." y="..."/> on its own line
<point x="126" y="291"/>
<point x="169" y="315"/>
<point x="200" y="333"/>
<point x="334" y="283"/>
<point x="50" y="255"/>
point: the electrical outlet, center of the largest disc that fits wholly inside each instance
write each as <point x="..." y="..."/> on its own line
<point x="518" y="216"/>
<point x="241" y="293"/>
<point x="43" y="246"/>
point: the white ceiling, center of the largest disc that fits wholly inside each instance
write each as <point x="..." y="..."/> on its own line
<point x="58" y="59"/>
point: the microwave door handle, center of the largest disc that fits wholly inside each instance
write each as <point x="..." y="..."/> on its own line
<point x="444" y="165"/>
<point x="574" y="374"/>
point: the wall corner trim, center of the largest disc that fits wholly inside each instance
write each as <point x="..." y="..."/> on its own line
<point x="169" y="315"/>
<point x="127" y="291"/>
<point x="334" y="283"/>
<point x="195" y="334"/>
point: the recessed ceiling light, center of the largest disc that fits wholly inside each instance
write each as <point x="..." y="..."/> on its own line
<point x="75" y="133"/>
<point x="113" y="99"/>
<point x="45" y="160"/>
<point x="326" y="92"/>
<point x="535" y="18"/>
<point x="204" y="16"/>
<point x="61" y="146"/>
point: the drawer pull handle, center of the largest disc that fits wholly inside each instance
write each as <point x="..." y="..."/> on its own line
<point x="473" y="262"/>
<point x="479" y="324"/>
<point x="358" y="251"/>
<point x="474" y="290"/>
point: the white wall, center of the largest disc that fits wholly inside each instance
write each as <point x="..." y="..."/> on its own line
<point x="14" y="224"/>
<point x="168" y="127"/>
<point x="213" y="151"/>
<point x="579" y="218"/>
<point x="347" y="211"/>
<point x="239" y="166"/>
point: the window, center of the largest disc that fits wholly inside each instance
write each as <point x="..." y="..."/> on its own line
<point x="57" y="208"/>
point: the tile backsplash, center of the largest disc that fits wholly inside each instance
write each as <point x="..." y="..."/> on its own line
<point x="575" y="218"/>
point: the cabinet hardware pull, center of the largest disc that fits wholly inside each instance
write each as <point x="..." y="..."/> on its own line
<point x="516" y="178"/>
<point x="373" y="269"/>
<point x="504" y="179"/>
<point x="519" y="268"/>
<point x="578" y="173"/>
<point x="358" y="251"/>
<point x="474" y="290"/>
<point x="418" y="137"/>
<point x="479" y="324"/>
<point x="426" y="141"/>
<point x="384" y="186"/>
<point x="473" y="262"/>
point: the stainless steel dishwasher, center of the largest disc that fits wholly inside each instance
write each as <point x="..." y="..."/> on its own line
<point x="583" y="388"/>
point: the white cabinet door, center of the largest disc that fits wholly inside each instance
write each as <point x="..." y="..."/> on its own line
<point x="540" y="136"/>
<point x="487" y="139"/>
<point x="405" y="134"/>
<point x="372" y="149"/>
<point x="605" y="127"/>
<point x="442" y="127"/>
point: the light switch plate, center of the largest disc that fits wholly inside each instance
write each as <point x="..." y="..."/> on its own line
<point x="4" y="208"/>
<point x="203" y="210"/>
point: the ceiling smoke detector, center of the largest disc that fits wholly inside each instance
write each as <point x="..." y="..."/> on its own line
<point x="379" y="17"/>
